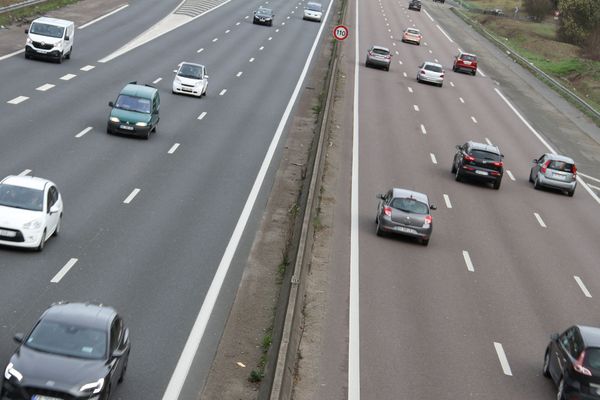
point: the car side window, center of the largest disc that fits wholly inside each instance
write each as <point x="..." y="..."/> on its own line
<point x="115" y="333"/>
<point x="388" y="197"/>
<point x="564" y="339"/>
<point x="576" y="345"/>
<point x="51" y="197"/>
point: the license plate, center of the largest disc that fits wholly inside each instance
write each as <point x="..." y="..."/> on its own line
<point x="7" y="233"/>
<point x="558" y="176"/>
<point x="405" y="230"/>
<point x="40" y="397"/>
<point x="126" y="127"/>
<point x="480" y="172"/>
<point x="185" y="89"/>
<point x="467" y="62"/>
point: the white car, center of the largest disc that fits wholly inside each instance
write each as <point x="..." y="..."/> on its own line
<point x="431" y="72"/>
<point x="190" y="79"/>
<point x="313" y="11"/>
<point x="31" y="211"/>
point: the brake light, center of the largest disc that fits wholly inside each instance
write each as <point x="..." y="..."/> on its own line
<point x="387" y="211"/>
<point x="546" y="165"/>
<point x="578" y="365"/>
<point x="428" y="219"/>
<point x="573" y="169"/>
<point x="467" y="157"/>
<point x="498" y="164"/>
<point x="460" y="60"/>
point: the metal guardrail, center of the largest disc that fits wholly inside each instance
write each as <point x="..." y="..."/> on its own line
<point x="22" y="4"/>
<point x="529" y="65"/>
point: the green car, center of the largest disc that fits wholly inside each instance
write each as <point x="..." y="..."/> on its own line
<point x="135" y="112"/>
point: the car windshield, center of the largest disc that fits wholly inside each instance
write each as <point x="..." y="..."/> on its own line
<point x="413" y="31"/>
<point x="21" y="197"/>
<point x="381" y="52"/>
<point x="190" y="71"/>
<point x="47" y="30"/>
<point x="467" y="57"/>
<point x="408" y="204"/>
<point x="132" y="103"/>
<point x="68" y="340"/>
<point x="485" y="155"/>
<point x="434" y="68"/>
<point x="264" y="11"/>
<point x="561" y="166"/>
<point x="313" y="7"/>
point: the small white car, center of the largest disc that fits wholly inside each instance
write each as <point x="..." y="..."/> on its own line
<point x="190" y="79"/>
<point x="31" y="211"/>
<point x="431" y="72"/>
<point x="313" y="12"/>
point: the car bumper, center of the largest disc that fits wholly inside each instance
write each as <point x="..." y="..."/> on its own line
<point x="313" y="17"/>
<point x="378" y="62"/>
<point x="117" y="127"/>
<point x="411" y="40"/>
<point x="414" y="8"/>
<point x="389" y="226"/>
<point x="480" y="173"/>
<point x="466" y="67"/>
<point x="12" y="392"/>
<point x="23" y="238"/>
<point x="263" y="21"/>
<point x="34" y="52"/>
<point x="193" y="91"/>
<point x="553" y="183"/>
<point x="432" y="79"/>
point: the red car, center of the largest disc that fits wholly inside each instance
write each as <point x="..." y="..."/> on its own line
<point x="465" y="62"/>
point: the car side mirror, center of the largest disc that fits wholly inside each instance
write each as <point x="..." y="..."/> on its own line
<point x="534" y="161"/>
<point x="174" y="71"/>
<point x="18" y="337"/>
<point x="67" y="37"/>
<point x="502" y="155"/>
<point x="54" y="209"/>
<point x="205" y="76"/>
<point x="432" y="207"/>
<point x="111" y="104"/>
<point x="458" y="147"/>
<point x="554" y="336"/>
<point x="26" y="30"/>
<point x="379" y="196"/>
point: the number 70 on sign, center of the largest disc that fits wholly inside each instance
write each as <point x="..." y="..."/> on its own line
<point x="340" y="32"/>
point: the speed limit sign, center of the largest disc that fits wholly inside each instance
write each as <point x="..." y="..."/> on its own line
<point x="340" y="32"/>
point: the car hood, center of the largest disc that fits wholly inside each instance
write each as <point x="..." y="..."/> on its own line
<point x="130" y="116"/>
<point x="54" y="372"/>
<point x="188" y="81"/>
<point x="15" y="218"/>
<point x="44" y="39"/>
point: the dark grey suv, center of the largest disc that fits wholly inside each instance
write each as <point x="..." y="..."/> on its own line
<point x="405" y="212"/>
<point x="572" y="360"/>
<point x="478" y="161"/>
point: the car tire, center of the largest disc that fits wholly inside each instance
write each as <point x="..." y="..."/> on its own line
<point x="59" y="60"/>
<point x="42" y="244"/>
<point x="536" y="184"/>
<point x="474" y="72"/>
<point x="57" y="230"/>
<point x="458" y="175"/>
<point x="27" y="56"/>
<point x="425" y="242"/>
<point x="453" y="169"/>
<point x="108" y="130"/>
<point x="378" y="230"/>
<point x="124" y="370"/>
<point x="546" y="366"/>
<point x="387" y="68"/>
<point x="441" y="84"/>
<point x="560" y="392"/>
<point x="367" y="64"/>
<point x="68" y="56"/>
<point x="497" y="183"/>
<point x="454" y="69"/>
<point x="571" y="193"/>
<point x="531" y="176"/>
<point x="147" y="135"/>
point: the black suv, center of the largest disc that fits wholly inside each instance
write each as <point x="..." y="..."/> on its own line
<point x="439" y="1"/>
<point x="572" y="360"/>
<point x="414" y="5"/>
<point x="480" y="161"/>
<point x="263" y="16"/>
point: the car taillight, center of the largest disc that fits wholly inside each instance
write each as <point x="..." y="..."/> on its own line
<point x="428" y="219"/>
<point x="467" y="157"/>
<point x="578" y="365"/>
<point x="387" y="211"/>
<point x="498" y="164"/>
<point x="573" y="169"/>
<point x="388" y="56"/>
<point x="546" y="165"/>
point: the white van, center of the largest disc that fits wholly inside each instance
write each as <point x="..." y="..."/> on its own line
<point x="50" y="38"/>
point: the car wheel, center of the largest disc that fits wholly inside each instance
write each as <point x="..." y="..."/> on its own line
<point x="453" y="170"/>
<point x="546" y="367"/>
<point x="497" y="183"/>
<point x="531" y="175"/>
<point x="458" y="175"/>
<point x="536" y="183"/>
<point x="441" y="84"/>
<point x="147" y="135"/>
<point x="108" y="129"/>
<point x="367" y="64"/>
<point x="124" y="370"/>
<point x="560" y="393"/>
<point x="571" y="193"/>
<point x="474" y="72"/>
<point x="453" y="69"/>
<point x="59" y="59"/>
<point x="378" y="230"/>
<point x="418" y="79"/>
<point x="425" y="242"/>
<point x="387" y="68"/>
<point x="42" y="242"/>
<point x="68" y="56"/>
<point x="57" y="230"/>
<point x="27" y="56"/>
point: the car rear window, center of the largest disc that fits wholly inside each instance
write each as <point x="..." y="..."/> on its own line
<point x="313" y="6"/>
<point x="485" y="155"/>
<point x="68" y="340"/>
<point x="466" y="57"/>
<point x="413" y="31"/>
<point x="408" y="204"/>
<point x="560" y="166"/>
<point x="381" y="51"/>
<point x="433" y="68"/>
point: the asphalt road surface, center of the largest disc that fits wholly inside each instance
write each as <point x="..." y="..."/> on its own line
<point x="470" y="315"/>
<point x="146" y="223"/>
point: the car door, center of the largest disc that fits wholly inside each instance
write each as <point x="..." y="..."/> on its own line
<point x="563" y="348"/>
<point x="536" y="166"/>
<point x="116" y="337"/>
<point x="51" y="216"/>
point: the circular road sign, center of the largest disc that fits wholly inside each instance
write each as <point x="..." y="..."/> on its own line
<point x="340" y="32"/>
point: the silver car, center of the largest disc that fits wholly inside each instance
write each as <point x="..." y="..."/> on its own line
<point x="431" y="72"/>
<point x="405" y="212"/>
<point x="379" y="56"/>
<point x="554" y="171"/>
<point x="313" y="12"/>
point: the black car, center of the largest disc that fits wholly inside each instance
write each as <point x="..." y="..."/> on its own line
<point x="439" y="1"/>
<point x="414" y="5"/>
<point x="74" y="351"/>
<point x="572" y="360"/>
<point x="479" y="161"/>
<point x="263" y="16"/>
<point x="494" y="11"/>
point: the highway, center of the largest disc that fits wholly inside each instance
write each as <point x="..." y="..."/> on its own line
<point x="470" y="315"/>
<point x="147" y="223"/>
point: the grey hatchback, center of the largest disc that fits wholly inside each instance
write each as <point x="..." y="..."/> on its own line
<point x="554" y="171"/>
<point x="379" y="56"/>
<point x="405" y="212"/>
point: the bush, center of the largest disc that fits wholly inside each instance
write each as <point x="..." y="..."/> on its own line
<point x="578" y="20"/>
<point x="591" y="47"/>
<point x="538" y="8"/>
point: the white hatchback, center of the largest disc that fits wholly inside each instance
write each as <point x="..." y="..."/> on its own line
<point x="31" y="211"/>
<point x="190" y="79"/>
<point x="313" y="11"/>
<point x="431" y="72"/>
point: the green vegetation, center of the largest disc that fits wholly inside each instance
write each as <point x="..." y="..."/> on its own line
<point x="256" y="375"/>
<point x="27" y="13"/>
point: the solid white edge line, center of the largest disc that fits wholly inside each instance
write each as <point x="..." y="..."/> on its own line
<point x="173" y="148"/>
<point x="541" y="139"/>
<point x="14" y="53"/>
<point x="188" y="352"/>
<point x="539" y="220"/>
<point x="481" y="72"/>
<point x="63" y="271"/>
<point x="354" y="289"/>
<point x="433" y="159"/>
<point x="510" y="175"/>
<point x="423" y="130"/>
<point x="445" y="34"/>
<point x="25" y="172"/>
<point x="430" y="17"/>
<point x="587" y="176"/>
<point x="585" y="291"/>
<point x="83" y="132"/>
<point x="131" y="196"/>
<point x="103" y="16"/>
<point x="468" y="261"/>
<point x="502" y="358"/>
<point x="447" y="201"/>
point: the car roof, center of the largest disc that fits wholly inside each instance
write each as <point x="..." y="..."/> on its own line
<point x="467" y="54"/>
<point x="313" y="3"/>
<point x="412" y="29"/>
<point x="483" y="146"/>
<point x="432" y="63"/>
<point x="400" y="192"/>
<point x="28" y="181"/>
<point x="190" y="63"/>
<point x="133" y="89"/>
<point x="590" y="335"/>
<point x="261" y="8"/>
<point x="559" y="157"/>
<point x="380" y="48"/>
<point x="81" y="314"/>
<point x="53" y="21"/>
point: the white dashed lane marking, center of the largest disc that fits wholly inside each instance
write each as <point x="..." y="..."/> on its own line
<point x="270" y="38"/>
<point x="223" y="92"/>
<point x="461" y="100"/>
<point x="433" y="159"/>
<point x="173" y="148"/>
<point x="87" y="68"/>
<point x="452" y="84"/>
<point x="423" y="130"/>
<point x="239" y="74"/>
<point x="157" y="80"/>
<point x="68" y="77"/>
<point x="63" y="271"/>
<point x="261" y="47"/>
<point x="131" y="196"/>
<point x="201" y="116"/>
<point x="215" y="39"/>
<point x="473" y="119"/>
<point x="228" y="30"/>
<point x="410" y="89"/>
<point x="200" y="50"/>
<point x="251" y="60"/>
<point x="488" y="141"/>
<point x="539" y="220"/>
<point x="447" y="201"/>
<point x="25" y="172"/>
<point x="503" y="360"/>
<point x="45" y="87"/>
<point x="416" y="107"/>
<point x="468" y="261"/>
<point x="18" y="100"/>
<point x="510" y="175"/>
<point x="405" y="75"/>
<point x="400" y="62"/>
<point x="83" y="132"/>
<point x="585" y="291"/>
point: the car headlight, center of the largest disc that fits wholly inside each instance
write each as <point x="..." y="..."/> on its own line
<point x="114" y="119"/>
<point x="93" y="387"/>
<point x="35" y="224"/>
<point x="177" y="80"/>
<point x="29" y="41"/>
<point x="11" y="372"/>
<point x="141" y="124"/>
